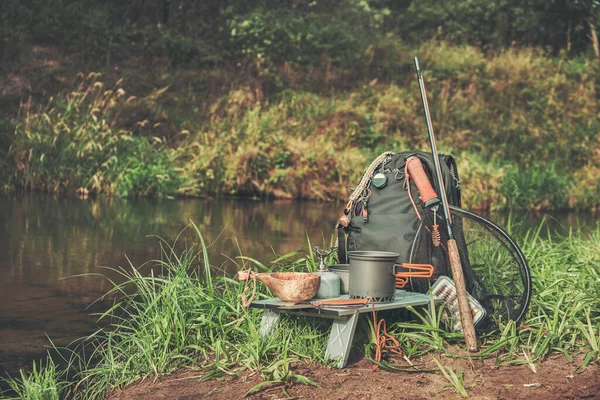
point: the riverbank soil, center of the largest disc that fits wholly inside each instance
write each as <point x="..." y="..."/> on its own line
<point x="553" y="378"/>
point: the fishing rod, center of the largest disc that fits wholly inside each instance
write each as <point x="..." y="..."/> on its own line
<point x="466" y="317"/>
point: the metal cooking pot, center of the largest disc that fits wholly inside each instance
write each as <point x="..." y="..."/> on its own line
<point x="373" y="274"/>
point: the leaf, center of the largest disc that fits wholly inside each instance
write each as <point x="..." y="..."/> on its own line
<point x="589" y="357"/>
<point x="261" y="385"/>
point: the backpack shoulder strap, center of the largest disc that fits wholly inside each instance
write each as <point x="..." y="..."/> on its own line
<point x="342" y="251"/>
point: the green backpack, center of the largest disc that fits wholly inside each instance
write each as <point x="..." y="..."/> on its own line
<point x="386" y="213"/>
<point x="383" y="214"/>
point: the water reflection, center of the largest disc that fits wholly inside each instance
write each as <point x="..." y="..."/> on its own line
<point x="46" y="240"/>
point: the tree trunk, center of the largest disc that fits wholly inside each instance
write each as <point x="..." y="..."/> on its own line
<point x="594" y="37"/>
<point x="569" y="37"/>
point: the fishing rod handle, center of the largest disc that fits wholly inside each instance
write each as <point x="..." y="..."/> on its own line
<point x="417" y="173"/>
<point x="466" y="318"/>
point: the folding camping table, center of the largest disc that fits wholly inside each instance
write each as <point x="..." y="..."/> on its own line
<point x="344" y="320"/>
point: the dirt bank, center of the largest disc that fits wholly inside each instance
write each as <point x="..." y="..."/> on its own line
<point x="554" y="378"/>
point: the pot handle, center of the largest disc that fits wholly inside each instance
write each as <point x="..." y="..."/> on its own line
<point x="414" y="270"/>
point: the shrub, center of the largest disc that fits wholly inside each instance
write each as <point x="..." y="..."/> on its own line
<point x="480" y="181"/>
<point x="74" y="144"/>
<point x="535" y="188"/>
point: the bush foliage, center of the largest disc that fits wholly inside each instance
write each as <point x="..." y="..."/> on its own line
<point x="74" y="144"/>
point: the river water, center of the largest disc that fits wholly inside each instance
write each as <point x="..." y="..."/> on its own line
<point x="47" y="244"/>
<point x="53" y="252"/>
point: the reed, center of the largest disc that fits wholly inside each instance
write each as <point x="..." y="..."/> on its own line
<point x="76" y="144"/>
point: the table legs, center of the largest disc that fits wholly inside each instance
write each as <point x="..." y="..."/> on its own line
<point x="268" y="322"/>
<point x="340" y="339"/>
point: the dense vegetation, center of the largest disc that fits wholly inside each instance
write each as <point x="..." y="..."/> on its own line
<point x="188" y="316"/>
<point x="295" y="98"/>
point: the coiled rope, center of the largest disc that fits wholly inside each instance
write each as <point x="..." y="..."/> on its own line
<point x="366" y="178"/>
<point x="359" y="190"/>
<point x="244" y="296"/>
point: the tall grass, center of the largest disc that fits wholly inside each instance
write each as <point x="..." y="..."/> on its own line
<point x="170" y="318"/>
<point x="46" y="381"/>
<point x="76" y="143"/>
<point x="563" y="315"/>
<point x="181" y="316"/>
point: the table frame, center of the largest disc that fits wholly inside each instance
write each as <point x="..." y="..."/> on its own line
<point x="344" y="319"/>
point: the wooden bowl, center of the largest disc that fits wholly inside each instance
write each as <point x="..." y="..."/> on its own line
<point x="292" y="287"/>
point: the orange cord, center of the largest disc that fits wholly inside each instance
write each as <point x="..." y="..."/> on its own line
<point x="383" y="341"/>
